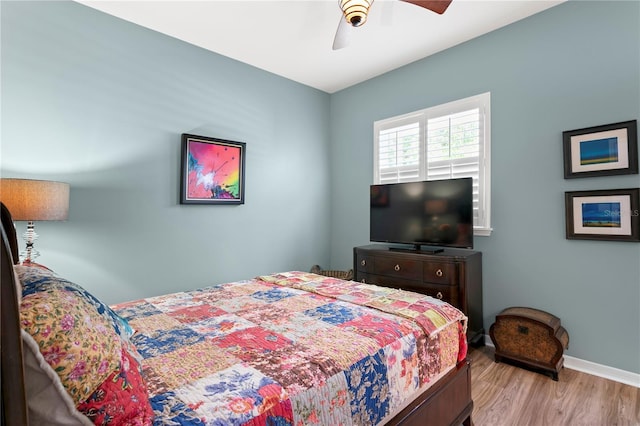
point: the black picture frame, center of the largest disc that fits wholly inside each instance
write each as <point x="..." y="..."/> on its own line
<point x="606" y="215"/>
<point x="606" y="150"/>
<point x="212" y="170"/>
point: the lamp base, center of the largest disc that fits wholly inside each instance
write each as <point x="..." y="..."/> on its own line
<point x="30" y="236"/>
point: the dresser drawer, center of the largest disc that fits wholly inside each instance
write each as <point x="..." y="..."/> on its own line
<point x="443" y="292"/>
<point x="387" y="281"/>
<point x="440" y="273"/>
<point x="400" y="268"/>
<point x="364" y="263"/>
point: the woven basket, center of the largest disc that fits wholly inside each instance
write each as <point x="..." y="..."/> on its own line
<point x="343" y="275"/>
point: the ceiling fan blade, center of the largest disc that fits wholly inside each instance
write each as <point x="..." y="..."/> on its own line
<point x="343" y="34"/>
<point x="386" y="12"/>
<point x="437" y="6"/>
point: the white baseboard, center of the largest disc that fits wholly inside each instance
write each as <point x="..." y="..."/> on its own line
<point x="604" y="371"/>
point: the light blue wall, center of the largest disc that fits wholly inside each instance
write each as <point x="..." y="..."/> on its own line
<point x="576" y="65"/>
<point x="101" y="103"/>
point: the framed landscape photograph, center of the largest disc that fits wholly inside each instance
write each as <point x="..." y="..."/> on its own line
<point x="610" y="215"/>
<point x="212" y="171"/>
<point x="601" y="151"/>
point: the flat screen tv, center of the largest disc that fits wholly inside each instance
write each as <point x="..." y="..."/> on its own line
<point x="435" y="213"/>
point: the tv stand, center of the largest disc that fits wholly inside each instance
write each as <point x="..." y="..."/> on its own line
<point x="417" y="248"/>
<point x="453" y="275"/>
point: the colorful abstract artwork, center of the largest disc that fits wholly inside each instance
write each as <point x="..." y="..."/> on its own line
<point x="212" y="171"/>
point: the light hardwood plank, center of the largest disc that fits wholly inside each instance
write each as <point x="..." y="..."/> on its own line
<point x="505" y="395"/>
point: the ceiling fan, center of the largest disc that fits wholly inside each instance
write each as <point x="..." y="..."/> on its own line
<point x="355" y="14"/>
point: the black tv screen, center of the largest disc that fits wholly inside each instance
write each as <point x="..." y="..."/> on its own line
<point x="433" y="213"/>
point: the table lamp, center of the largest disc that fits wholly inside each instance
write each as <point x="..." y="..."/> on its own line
<point x="33" y="200"/>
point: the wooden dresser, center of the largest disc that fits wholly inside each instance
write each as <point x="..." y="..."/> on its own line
<point x="454" y="275"/>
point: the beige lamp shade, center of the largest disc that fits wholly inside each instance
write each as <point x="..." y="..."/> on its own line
<point x="34" y="200"/>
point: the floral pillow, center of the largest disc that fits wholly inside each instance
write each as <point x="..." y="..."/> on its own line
<point x="86" y="345"/>
<point x="40" y="276"/>
<point x="109" y="398"/>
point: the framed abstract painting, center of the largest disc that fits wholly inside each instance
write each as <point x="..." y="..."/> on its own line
<point x="606" y="150"/>
<point x="212" y="170"/>
<point x="611" y="215"/>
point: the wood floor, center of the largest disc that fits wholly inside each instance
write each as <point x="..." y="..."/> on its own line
<point x="504" y="395"/>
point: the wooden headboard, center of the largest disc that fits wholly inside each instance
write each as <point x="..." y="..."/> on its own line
<point x="10" y="230"/>
<point x="14" y="405"/>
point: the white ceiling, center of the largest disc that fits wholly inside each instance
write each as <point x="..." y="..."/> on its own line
<point x="293" y="38"/>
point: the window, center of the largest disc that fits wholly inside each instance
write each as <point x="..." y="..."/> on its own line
<point x="443" y="142"/>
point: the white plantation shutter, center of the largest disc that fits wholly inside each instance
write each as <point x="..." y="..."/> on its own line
<point x="399" y="152"/>
<point x="453" y="150"/>
<point x="444" y="142"/>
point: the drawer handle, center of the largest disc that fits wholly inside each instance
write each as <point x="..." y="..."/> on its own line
<point x="363" y="262"/>
<point x="439" y="273"/>
<point x="397" y="268"/>
<point x="439" y="295"/>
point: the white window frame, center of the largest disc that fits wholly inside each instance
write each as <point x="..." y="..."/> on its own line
<point x="481" y="101"/>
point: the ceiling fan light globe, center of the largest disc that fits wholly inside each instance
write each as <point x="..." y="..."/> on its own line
<point x="355" y="11"/>
<point x="356" y="21"/>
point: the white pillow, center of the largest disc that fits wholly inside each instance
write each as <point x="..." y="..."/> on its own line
<point x="48" y="402"/>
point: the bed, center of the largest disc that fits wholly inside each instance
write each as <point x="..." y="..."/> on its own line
<point x="281" y="349"/>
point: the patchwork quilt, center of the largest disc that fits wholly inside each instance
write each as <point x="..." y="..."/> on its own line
<point x="291" y="348"/>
